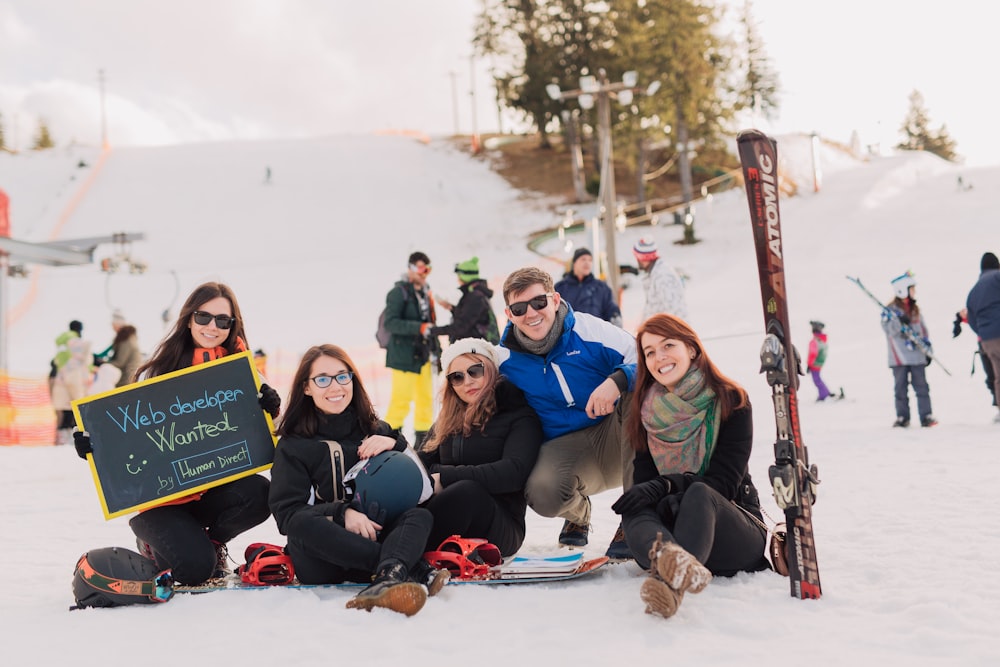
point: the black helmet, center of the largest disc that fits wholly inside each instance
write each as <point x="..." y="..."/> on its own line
<point x="385" y="486"/>
<point x="113" y="577"/>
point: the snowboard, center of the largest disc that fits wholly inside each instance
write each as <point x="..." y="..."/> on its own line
<point x="544" y="569"/>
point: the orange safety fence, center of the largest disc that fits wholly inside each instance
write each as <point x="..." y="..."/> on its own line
<point x="26" y="413"/>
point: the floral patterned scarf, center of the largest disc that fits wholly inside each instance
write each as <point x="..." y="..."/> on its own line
<point x="682" y="425"/>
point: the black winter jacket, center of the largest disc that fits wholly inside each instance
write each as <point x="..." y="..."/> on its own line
<point x="500" y="457"/>
<point x="302" y="477"/>
<point x="728" y="470"/>
<point x="470" y="316"/>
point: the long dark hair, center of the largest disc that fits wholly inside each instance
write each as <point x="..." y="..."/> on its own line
<point x="458" y="417"/>
<point x="301" y="417"/>
<point x="175" y="351"/>
<point x="730" y="396"/>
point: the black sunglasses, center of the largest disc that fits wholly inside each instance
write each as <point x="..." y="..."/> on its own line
<point x="221" y="321"/>
<point x="537" y="303"/>
<point x="324" y="381"/>
<point x="475" y="372"/>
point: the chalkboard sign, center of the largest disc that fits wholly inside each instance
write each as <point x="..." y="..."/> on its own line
<point x="176" y="434"/>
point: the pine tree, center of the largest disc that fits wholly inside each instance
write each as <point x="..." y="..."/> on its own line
<point x="917" y="135"/>
<point x="760" y="89"/>
<point x="43" y="139"/>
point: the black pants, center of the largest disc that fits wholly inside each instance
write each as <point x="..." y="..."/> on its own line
<point x="324" y="552"/>
<point x="715" y="531"/>
<point x="466" y="508"/>
<point x="182" y="536"/>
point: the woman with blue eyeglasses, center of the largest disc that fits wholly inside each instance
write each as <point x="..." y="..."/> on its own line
<point x="189" y="535"/>
<point x="329" y="425"/>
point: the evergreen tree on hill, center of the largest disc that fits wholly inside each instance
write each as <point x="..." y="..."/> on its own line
<point x="917" y="135"/>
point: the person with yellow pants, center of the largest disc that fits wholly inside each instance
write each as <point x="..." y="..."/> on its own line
<point x="409" y="316"/>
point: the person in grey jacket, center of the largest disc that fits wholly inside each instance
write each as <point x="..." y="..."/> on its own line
<point x="907" y="361"/>
<point x="983" y="313"/>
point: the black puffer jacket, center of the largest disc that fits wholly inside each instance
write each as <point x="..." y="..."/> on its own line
<point x="500" y="457"/>
<point x="471" y="315"/>
<point x="303" y="470"/>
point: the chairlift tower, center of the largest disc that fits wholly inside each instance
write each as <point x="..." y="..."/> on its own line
<point x="602" y="91"/>
<point x="16" y="255"/>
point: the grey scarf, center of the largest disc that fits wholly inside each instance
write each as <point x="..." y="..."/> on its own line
<point x="545" y="345"/>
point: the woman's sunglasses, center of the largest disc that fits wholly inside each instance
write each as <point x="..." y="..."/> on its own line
<point x="221" y="321"/>
<point x="475" y="371"/>
<point x="324" y="381"/>
<point x="537" y="303"/>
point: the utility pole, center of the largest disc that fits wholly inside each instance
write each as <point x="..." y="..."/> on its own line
<point x="104" y="118"/>
<point x="472" y="97"/>
<point x="603" y="90"/>
<point x="454" y="99"/>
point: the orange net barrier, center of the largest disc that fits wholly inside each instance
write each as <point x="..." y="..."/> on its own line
<point x="26" y="413"/>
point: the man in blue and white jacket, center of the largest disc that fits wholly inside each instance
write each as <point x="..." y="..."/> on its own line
<point x="577" y="371"/>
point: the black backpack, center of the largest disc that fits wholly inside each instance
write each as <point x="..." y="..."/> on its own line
<point x="382" y="335"/>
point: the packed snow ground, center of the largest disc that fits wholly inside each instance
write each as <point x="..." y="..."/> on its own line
<point x="906" y="543"/>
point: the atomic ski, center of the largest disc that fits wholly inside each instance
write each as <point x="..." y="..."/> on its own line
<point x="793" y="479"/>
<point x="904" y="328"/>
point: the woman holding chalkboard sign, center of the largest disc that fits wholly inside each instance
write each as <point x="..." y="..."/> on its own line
<point x="328" y="426"/>
<point x="189" y="535"/>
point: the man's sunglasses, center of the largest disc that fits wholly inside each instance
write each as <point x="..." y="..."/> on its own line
<point x="421" y="270"/>
<point x="475" y="371"/>
<point x="537" y="303"/>
<point x="324" y="381"/>
<point x="221" y="321"/>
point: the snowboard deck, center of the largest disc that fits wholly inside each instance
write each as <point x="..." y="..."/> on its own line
<point x="585" y="568"/>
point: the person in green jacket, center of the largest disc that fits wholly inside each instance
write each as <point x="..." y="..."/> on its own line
<point x="412" y="350"/>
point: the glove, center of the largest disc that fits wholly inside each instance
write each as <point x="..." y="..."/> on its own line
<point x="81" y="440"/>
<point x="269" y="401"/>
<point x="903" y="319"/>
<point x="642" y="495"/>
<point x="957" y="328"/>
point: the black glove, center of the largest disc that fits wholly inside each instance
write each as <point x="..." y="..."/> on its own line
<point x="957" y="328"/>
<point x="269" y="401"/>
<point x="81" y="440"/>
<point x="903" y="319"/>
<point x="642" y="495"/>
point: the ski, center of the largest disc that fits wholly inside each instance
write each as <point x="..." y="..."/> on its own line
<point x="904" y="328"/>
<point x="793" y="479"/>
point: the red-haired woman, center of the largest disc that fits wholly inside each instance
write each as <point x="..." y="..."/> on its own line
<point x="693" y="510"/>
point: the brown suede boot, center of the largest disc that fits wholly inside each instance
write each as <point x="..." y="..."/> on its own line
<point x="675" y="566"/>
<point x="660" y="598"/>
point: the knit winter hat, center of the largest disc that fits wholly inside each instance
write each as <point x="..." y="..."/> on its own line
<point x="469" y="346"/>
<point x="76" y="325"/>
<point x="989" y="261"/>
<point x="468" y="270"/>
<point x="580" y="252"/>
<point x="645" y="249"/>
<point x="117" y="317"/>
<point x="816" y="325"/>
<point x="902" y="284"/>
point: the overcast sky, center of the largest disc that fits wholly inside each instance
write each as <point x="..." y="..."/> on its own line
<point x="246" y="69"/>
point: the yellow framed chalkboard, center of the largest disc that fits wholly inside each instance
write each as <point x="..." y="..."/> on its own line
<point x="165" y="438"/>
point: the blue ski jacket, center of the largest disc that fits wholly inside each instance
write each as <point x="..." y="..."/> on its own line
<point x="983" y="305"/>
<point x="558" y="385"/>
